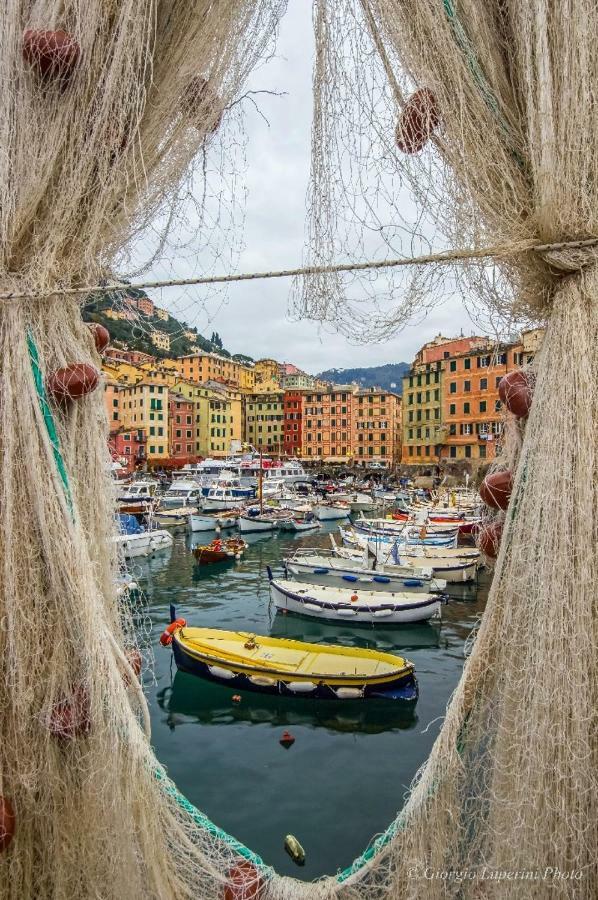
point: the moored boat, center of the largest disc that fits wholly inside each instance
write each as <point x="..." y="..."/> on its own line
<point x="220" y="551"/>
<point x="292" y="668"/>
<point x="134" y="540"/>
<point x="352" y="604"/>
<point x="309" y="523"/>
<point x="451" y="564"/>
<point x="212" y="522"/>
<point x="329" y="512"/>
<point x="173" y="518"/>
<point x="316" y="567"/>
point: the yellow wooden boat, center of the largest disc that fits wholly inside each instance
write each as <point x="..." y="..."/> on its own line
<point x="279" y="666"/>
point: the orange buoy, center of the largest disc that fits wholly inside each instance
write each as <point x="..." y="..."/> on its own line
<point x="72" y="382"/>
<point x="489" y="538"/>
<point x="244" y="882"/>
<point x="71" y="718"/>
<point x="354" y="598"/>
<point x="418" y="120"/>
<point x="54" y="54"/>
<point x="236" y="698"/>
<point x="287" y="740"/>
<point x="165" y="638"/>
<point x="515" y="391"/>
<point x="199" y="95"/>
<point x="101" y="336"/>
<point x="496" y="488"/>
<point x="7" y="823"/>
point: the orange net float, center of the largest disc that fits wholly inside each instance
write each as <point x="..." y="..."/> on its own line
<point x="101" y="336"/>
<point x="71" y="718"/>
<point x="244" y="882"/>
<point x="418" y="121"/>
<point x="53" y="54"/>
<point x="516" y="392"/>
<point x="496" y="488"/>
<point x="72" y="382"/>
<point x="354" y="598"/>
<point x="8" y="823"/>
<point x="489" y="538"/>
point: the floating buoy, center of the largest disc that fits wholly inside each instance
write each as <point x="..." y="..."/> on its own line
<point x="101" y="336"/>
<point x="489" y="538"/>
<point x="244" y="882"/>
<point x="71" y="718"/>
<point x="7" y="823"/>
<point x="166" y="639"/>
<point x="200" y="96"/>
<point x="515" y="391"/>
<point x="72" y="382"/>
<point x="496" y="488"/>
<point x="354" y="598"/>
<point x="287" y="740"/>
<point x="54" y="54"/>
<point x="418" y="120"/>
<point x="294" y="849"/>
<point x="236" y="698"/>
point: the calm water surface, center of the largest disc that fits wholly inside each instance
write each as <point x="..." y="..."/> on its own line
<point x="346" y="775"/>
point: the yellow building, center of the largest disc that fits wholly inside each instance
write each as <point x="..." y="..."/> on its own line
<point x="161" y="340"/>
<point x="217" y="416"/>
<point x="145" y="406"/>
<point x="123" y="372"/>
<point x="264" y="421"/>
<point x="161" y="314"/>
<point x="202" y="367"/>
<point x="267" y="371"/>
<point x="157" y="371"/>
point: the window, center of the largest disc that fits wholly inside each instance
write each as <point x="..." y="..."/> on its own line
<point x="466" y="408"/>
<point x="453" y="428"/>
<point x="483" y="451"/>
<point x="467" y="385"/>
<point x="467" y="363"/>
<point x="482" y="406"/>
<point x="453" y="365"/>
<point x="498" y="380"/>
<point x="152" y="449"/>
<point x="453" y="452"/>
<point x="468" y="451"/>
<point x="466" y="428"/>
<point x="453" y="387"/>
<point x="483" y="384"/>
<point x="452" y="409"/>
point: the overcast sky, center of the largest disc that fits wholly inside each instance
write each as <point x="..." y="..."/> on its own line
<point x="253" y="319"/>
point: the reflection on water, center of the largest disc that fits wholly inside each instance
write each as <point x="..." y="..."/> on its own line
<point x="346" y="775"/>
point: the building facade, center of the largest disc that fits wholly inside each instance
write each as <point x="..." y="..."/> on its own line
<point x="161" y="340"/>
<point x="181" y="427"/>
<point x="293" y="422"/>
<point x="264" y="421"/>
<point x="144" y="406"/>
<point x="202" y="367"/>
<point x="327" y="424"/>
<point x="127" y="446"/>
<point x="376" y="426"/>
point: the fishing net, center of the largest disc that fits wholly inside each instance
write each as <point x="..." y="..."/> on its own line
<point x="100" y="126"/>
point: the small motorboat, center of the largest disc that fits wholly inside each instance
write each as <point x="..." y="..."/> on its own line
<point x="134" y="540"/>
<point x="331" y="511"/>
<point x="291" y="668"/>
<point x="305" y="523"/>
<point x="351" y="604"/>
<point x="220" y="551"/>
<point x="173" y="518"/>
<point x="206" y="522"/>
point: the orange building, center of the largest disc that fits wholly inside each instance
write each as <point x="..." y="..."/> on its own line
<point x="200" y="367"/>
<point x="181" y="429"/>
<point x="376" y="426"/>
<point x="293" y="422"/>
<point x="328" y="424"/>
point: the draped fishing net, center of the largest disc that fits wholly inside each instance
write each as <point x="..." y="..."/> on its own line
<point x="97" y="138"/>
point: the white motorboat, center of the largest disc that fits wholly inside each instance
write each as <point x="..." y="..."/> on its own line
<point x="146" y="543"/>
<point x="332" y="511"/>
<point x="137" y="491"/>
<point x="227" y="493"/>
<point x="308" y="523"/>
<point x="322" y="567"/>
<point x="268" y="520"/>
<point x="173" y="518"/>
<point x="203" y="522"/>
<point x="353" y="605"/>
<point x="182" y="492"/>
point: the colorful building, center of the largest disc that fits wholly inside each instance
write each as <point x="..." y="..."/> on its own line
<point x="181" y="429"/>
<point x="327" y="424"/>
<point x="293" y="419"/>
<point x="127" y="446"/>
<point x="144" y="406"/>
<point x="376" y="426"/>
<point x="161" y="340"/>
<point x="135" y="357"/>
<point x="202" y="367"/>
<point x="267" y="372"/>
<point x="264" y="421"/>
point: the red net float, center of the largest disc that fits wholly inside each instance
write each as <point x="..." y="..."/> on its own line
<point x="244" y="882"/>
<point x="200" y="102"/>
<point x="418" y="121"/>
<point x="489" y="537"/>
<point x="287" y="740"/>
<point x="72" y="382"/>
<point x="53" y="54"/>
<point x="101" y="336"/>
<point x="8" y="823"/>
<point x="496" y="489"/>
<point x="515" y="391"/>
<point x="71" y="718"/>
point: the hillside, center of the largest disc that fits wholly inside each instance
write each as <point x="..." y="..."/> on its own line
<point x="137" y="333"/>
<point x="388" y="376"/>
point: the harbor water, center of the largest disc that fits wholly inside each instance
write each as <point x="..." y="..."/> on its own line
<point x="346" y="775"/>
